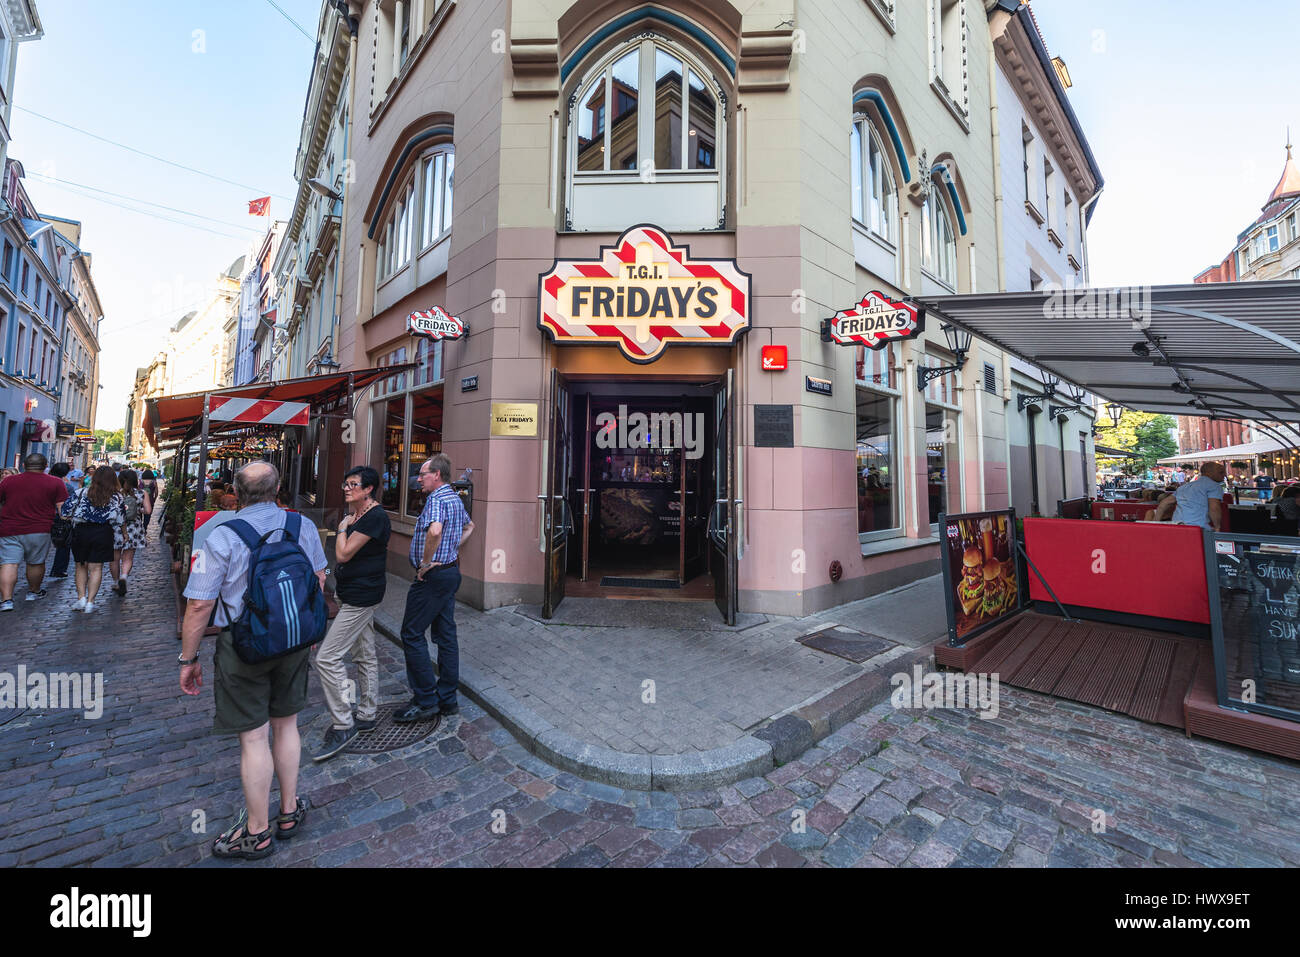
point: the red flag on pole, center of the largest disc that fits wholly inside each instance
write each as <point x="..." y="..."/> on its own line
<point x="259" y="207"/>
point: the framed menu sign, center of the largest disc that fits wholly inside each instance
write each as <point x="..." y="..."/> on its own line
<point x="982" y="578"/>
<point x="1255" y="621"/>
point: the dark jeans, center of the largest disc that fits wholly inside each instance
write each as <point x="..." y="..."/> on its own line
<point x="432" y="602"/>
<point x="62" y="554"/>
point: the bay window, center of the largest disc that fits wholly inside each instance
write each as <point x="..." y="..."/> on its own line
<point x="938" y="241"/>
<point x="875" y="203"/>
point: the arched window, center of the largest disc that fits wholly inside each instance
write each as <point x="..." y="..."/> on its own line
<point x="875" y="199"/>
<point x="938" y="241"/>
<point x="421" y="214"/>
<point x="646" y="140"/>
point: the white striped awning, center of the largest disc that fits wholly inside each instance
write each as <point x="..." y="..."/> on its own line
<point x="229" y="408"/>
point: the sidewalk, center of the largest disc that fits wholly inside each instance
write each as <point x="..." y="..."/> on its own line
<point x="669" y="697"/>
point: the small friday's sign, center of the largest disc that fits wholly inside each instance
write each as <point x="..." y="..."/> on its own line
<point x="814" y="384"/>
<point x="874" y="322"/>
<point x="437" y="324"/>
<point x="514" y="419"/>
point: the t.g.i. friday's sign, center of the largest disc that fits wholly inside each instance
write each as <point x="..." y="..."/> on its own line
<point x="642" y="293"/>
<point x="874" y="322"/>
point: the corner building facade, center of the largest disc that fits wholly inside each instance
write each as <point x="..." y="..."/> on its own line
<point x="820" y="149"/>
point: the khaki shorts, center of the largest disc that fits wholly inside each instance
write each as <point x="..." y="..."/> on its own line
<point x="250" y="695"/>
<point x="31" y="549"/>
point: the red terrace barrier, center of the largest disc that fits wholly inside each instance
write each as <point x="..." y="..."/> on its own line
<point x="1150" y="569"/>
<point x="1122" y="508"/>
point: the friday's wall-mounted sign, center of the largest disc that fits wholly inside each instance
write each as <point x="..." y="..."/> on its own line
<point x="874" y="322"/>
<point x="642" y="293"/>
<point x="437" y="324"/>
<point x="514" y="419"/>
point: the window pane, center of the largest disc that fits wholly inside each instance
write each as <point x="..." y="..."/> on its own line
<point x="435" y="195"/>
<point x="882" y="192"/>
<point x="622" y="130"/>
<point x="876" y="449"/>
<point x="591" y="127"/>
<point x="427" y="229"/>
<point x="941" y="461"/>
<point x="668" y="111"/>
<point x="394" y="424"/>
<point x="450" y="174"/>
<point x="855" y="170"/>
<point x="701" y="135"/>
<point x="426" y="440"/>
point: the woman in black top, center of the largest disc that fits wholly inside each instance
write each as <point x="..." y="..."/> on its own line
<point x="361" y="549"/>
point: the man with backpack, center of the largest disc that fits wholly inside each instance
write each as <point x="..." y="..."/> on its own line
<point x="260" y="578"/>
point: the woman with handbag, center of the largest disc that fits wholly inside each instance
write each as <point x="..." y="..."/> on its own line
<point x="95" y="511"/>
<point x="130" y="534"/>
<point x="61" y="530"/>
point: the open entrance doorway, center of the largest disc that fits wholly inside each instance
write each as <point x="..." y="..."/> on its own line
<point x="640" y="497"/>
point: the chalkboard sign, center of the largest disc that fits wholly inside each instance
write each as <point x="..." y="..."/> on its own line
<point x="774" y="426"/>
<point x="1255" y="606"/>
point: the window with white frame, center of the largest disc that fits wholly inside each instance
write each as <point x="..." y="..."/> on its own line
<point x="437" y="175"/>
<point x="1292" y="227"/>
<point x="396" y="233"/>
<point x="1049" y="187"/>
<point x="875" y="199"/>
<point x="646" y="140"/>
<point x="948" y="50"/>
<point x="938" y="241"/>
<point x="1266" y="241"/>
<point x="877" y="466"/>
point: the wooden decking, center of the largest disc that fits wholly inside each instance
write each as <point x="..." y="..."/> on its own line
<point x="1154" y="676"/>
<point x="1145" y="674"/>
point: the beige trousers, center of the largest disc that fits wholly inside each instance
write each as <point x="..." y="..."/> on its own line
<point x="353" y="629"/>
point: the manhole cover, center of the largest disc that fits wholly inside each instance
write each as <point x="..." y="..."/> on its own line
<point x="846" y="643"/>
<point x="387" y="736"/>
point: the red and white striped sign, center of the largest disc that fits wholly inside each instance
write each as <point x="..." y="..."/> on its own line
<point x="436" y="323"/>
<point x="642" y="293"/>
<point x="225" y="408"/>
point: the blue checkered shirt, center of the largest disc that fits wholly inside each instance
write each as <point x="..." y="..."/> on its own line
<point x="443" y="506"/>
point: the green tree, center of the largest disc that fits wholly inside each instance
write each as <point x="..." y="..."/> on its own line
<point x="1144" y="434"/>
<point x="110" y="441"/>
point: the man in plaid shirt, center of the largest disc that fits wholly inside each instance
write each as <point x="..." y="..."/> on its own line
<point x="440" y="531"/>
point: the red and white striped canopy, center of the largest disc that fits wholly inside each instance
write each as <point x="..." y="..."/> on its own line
<point x="257" y="411"/>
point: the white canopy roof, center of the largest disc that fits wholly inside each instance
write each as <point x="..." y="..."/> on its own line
<point x="1228" y="453"/>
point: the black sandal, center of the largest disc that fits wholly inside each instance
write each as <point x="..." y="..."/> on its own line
<point x="245" y="847"/>
<point x="297" y="817"/>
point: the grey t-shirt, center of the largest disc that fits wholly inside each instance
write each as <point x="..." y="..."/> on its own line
<point x="1194" y="501"/>
<point x="222" y="571"/>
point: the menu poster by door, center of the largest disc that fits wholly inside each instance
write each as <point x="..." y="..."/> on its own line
<point x="980" y="571"/>
<point x="638" y="516"/>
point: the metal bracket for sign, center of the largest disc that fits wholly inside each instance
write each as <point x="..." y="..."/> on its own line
<point x="925" y="373"/>
<point x="1028" y="561"/>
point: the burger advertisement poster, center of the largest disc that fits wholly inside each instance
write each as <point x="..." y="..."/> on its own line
<point x="980" y="570"/>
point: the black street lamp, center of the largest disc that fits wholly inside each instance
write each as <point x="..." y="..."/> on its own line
<point x="958" y="344"/>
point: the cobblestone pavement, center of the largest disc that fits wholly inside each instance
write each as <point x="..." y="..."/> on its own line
<point x="711" y="685"/>
<point x="890" y="788"/>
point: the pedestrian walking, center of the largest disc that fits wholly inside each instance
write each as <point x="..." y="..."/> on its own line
<point x="96" y="511"/>
<point x="62" y="553"/>
<point x="29" y="503"/>
<point x="440" y="531"/>
<point x="130" y="534"/>
<point x="360" y="549"/>
<point x="149" y="483"/>
<point x="259" y="702"/>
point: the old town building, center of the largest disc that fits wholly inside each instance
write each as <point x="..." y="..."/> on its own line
<point x="79" y="373"/>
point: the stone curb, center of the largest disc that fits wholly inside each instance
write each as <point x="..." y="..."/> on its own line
<point x="752" y="755"/>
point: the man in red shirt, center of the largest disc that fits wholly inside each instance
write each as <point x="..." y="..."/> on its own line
<point x="29" y="503"/>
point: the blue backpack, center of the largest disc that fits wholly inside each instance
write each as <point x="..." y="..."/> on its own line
<point x="284" y="608"/>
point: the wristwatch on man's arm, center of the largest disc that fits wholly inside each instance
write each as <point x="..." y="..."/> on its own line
<point x="188" y="661"/>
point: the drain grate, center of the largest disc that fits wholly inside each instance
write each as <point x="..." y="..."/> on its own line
<point x="609" y="582"/>
<point x="388" y="736"/>
<point x="854" y="646"/>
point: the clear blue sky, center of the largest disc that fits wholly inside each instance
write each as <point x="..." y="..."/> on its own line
<point x="130" y="72"/>
<point x="1185" y="103"/>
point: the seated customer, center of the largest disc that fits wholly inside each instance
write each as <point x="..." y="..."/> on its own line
<point x="1288" y="506"/>
<point x="1199" y="502"/>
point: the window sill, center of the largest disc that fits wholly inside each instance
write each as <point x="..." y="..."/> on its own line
<point x="959" y="112"/>
<point x="392" y="275"/>
<point x="1033" y="212"/>
<point x="863" y="230"/>
<point x="1054" y="239"/>
<point x="423" y="43"/>
<point x="888" y="545"/>
<point x="1074" y="263"/>
<point x="926" y="274"/>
